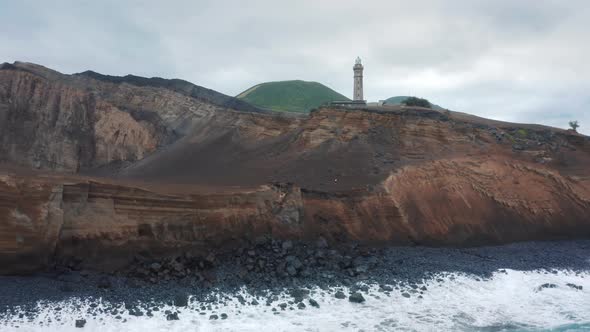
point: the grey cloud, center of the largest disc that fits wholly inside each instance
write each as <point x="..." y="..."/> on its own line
<point x="510" y="60"/>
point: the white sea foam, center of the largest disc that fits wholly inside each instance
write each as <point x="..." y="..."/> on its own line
<point x="507" y="301"/>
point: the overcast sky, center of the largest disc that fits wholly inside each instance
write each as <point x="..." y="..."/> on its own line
<point x="523" y="61"/>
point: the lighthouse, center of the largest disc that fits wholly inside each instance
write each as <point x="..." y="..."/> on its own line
<point x="357" y="93"/>
<point x="358" y="81"/>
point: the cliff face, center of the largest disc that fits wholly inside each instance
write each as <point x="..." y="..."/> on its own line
<point x="30" y="220"/>
<point x="84" y="121"/>
<point x="458" y="202"/>
<point x="229" y="175"/>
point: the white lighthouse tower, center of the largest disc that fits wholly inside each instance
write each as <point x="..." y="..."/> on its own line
<point x="357" y="96"/>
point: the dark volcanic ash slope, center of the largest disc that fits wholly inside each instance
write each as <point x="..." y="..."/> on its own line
<point x="402" y="174"/>
<point x="332" y="149"/>
<point x="341" y="149"/>
<point x="374" y="175"/>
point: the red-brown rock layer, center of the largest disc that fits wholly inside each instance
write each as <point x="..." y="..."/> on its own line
<point x="204" y="174"/>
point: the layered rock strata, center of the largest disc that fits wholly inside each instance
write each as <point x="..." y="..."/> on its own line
<point x="165" y="167"/>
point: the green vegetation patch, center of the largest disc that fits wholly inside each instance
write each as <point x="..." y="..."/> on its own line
<point x="411" y="101"/>
<point x="415" y="101"/>
<point x="290" y="96"/>
<point x="522" y="133"/>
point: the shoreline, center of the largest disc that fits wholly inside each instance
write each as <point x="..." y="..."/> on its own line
<point x="389" y="267"/>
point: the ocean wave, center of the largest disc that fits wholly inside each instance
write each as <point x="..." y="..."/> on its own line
<point x="509" y="300"/>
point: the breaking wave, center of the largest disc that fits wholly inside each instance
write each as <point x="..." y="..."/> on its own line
<point x="508" y="301"/>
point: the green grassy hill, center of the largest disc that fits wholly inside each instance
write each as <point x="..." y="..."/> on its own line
<point x="290" y="96"/>
<point x="399" y="99"/>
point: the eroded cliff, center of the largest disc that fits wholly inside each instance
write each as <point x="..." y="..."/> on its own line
<point x="202" y="176"/>
<point x="85" y="121"/>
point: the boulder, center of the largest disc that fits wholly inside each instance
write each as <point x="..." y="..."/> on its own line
<point x="339" y="295"/>
<point x="172" y="316"/>
<point x="181" y="300"/>
<point x="356" y="298"/>
<point x="546" y="286"/>
<point x="314" y="303"/>
<point x="386" y="288"/>
<point x="287" y="245"/>
<point x="574" y="286"/>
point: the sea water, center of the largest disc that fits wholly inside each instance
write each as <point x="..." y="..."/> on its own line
<point x="509" y="300"/>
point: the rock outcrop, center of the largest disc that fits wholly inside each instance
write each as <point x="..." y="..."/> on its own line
<point x="205" y="173"/>
<point x="84" y="121"/>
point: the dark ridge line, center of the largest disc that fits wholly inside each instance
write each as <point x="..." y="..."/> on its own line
<point x="7" y="66"/>
<point x="177" y="85"/>
<point x="10" y="66"/>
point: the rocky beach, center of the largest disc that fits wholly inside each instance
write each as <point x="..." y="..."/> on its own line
<point x="282" y="277"/>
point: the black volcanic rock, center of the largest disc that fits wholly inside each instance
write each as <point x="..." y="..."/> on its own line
<point x="314" y="303"/>
<point x="181" y="300"/>
<point x="80" y="323"/>
<point x="172" y="316"/>
<point x="356" y="298"/>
